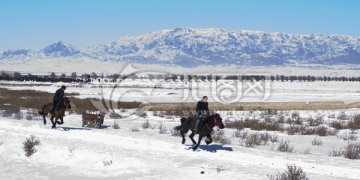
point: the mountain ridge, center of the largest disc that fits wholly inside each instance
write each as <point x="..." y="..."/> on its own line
<point x="188" y="47"/>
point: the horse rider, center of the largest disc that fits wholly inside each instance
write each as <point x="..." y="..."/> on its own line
<point x="59" y="95"/>
<point x="202" y="110"/>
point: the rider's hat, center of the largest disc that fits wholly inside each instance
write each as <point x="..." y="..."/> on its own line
<point x="63" y="87"/>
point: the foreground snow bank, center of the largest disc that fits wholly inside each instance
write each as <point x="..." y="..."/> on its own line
<point x="76" y="153"/>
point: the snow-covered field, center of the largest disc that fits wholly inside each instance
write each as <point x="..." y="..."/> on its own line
<point x="73" y="152"/>
<point x="86" y="65"/>
<point x="144" y="91"/>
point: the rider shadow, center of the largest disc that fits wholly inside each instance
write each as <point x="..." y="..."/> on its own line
<point x="212" y="148"/>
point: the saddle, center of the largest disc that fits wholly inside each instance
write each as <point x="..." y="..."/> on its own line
<point x="57" y="107"/>
<point x="202" y="122"/>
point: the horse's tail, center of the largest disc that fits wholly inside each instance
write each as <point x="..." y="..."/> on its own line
<point x="182" y="121"/>
<point x="178" y="128"/>
<point x="42" y="110"/>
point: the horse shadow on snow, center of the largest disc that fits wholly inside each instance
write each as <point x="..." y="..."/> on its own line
<point x="211" y="148"/>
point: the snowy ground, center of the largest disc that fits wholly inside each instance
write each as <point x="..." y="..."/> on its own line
<point x="73" y="152"/>
<point x="86" y="65"/>
<point x="144" y="91"/>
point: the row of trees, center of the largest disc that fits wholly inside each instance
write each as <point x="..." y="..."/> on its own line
<point x="243" y="77"/>
<point x="53" y="77"/>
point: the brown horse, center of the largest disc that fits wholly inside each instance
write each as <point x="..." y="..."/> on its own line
<point x="58" y="113"/>
<point x="208" y="123"/>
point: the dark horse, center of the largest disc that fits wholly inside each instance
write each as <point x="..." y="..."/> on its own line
<point x="58" y="113"/>
<point x="207" y="127"/>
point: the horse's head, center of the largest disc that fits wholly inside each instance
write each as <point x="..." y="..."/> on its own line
<point x="218" y="121"/>
<point x="67" y="103"/>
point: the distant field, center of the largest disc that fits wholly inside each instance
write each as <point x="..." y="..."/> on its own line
<point x="162" y="95"/>
<point x="35" y="99"/>
<point x="258" y="106"/>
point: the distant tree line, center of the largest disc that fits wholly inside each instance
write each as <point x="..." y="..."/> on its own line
<point x="53" y="77"/>
<point x="283" y="78"/>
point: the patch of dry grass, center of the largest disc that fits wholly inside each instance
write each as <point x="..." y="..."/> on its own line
<point x="29" y="145"/>
<point x="351" y="151"/>
<point x="355" y="122"/>
<point x="12" y="100"/>
<point x="293" y="173"/>
<point x="219" y="137"/>
<point x="284" y="146"/>
<point x="255" y="125"/>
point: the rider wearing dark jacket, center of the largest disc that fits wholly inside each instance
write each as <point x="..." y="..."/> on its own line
<point x="202" y="108"/>
<point x="59" y="95"/>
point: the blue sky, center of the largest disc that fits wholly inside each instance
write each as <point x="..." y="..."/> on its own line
<point x="36" y="23"/>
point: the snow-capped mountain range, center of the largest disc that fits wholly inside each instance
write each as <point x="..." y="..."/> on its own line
<point x="188" y="47"/>
<point x="55" y="50"/>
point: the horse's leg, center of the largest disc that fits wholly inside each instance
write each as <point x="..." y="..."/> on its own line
<point x="44" y="119"/>
<point x="197" y="145"/>
<point x="44" y="113"/>
<point x="209" y="141"/>
<point x="53" y="122"/>
<point x="183" y="128"/>
<point x="183" y="137"/>
<point x="183" y="131"/>
<point x="57" y="120"/>
<point x="192" y="137"/>
<point x="62" y="120"/>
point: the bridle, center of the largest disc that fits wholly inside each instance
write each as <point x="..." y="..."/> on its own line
<point x="215" y="121"/>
